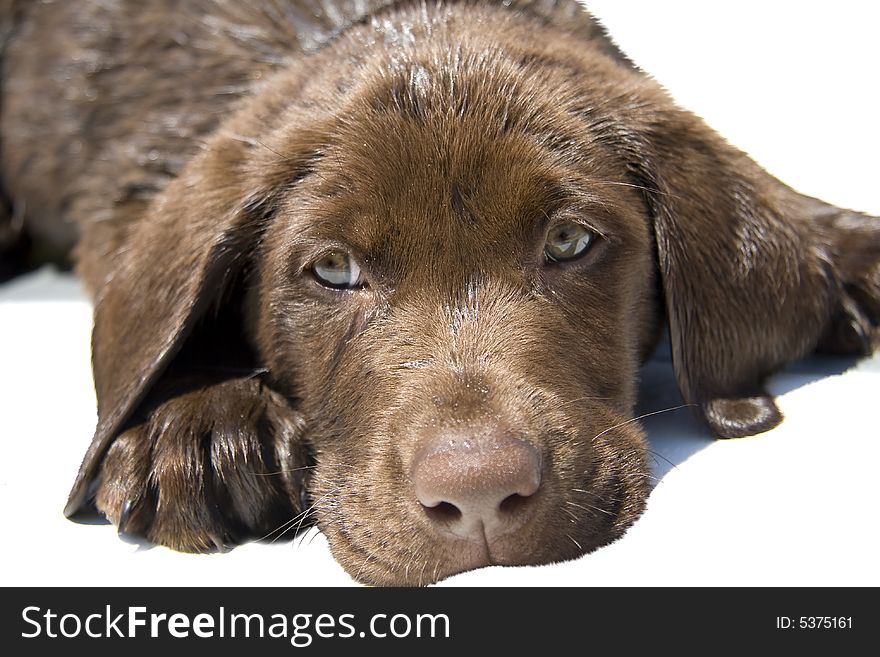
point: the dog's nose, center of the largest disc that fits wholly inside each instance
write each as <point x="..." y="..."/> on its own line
<point x="477" y="487"/>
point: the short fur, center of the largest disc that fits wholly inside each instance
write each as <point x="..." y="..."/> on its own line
<point x="202" y="153"/>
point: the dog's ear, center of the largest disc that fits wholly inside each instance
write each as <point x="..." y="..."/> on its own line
<point x="177" y="262"/>
<point x="754" y="274"/>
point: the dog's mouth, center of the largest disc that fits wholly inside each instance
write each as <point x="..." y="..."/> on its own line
<point x="415" y="540"/>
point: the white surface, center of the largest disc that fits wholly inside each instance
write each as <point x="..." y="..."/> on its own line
<point x="795" y="84"/>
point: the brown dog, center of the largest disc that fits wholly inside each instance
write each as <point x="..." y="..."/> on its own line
<point x="392" y="267"/>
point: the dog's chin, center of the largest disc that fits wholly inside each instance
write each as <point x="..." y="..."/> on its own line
<point x="402" y="550"/>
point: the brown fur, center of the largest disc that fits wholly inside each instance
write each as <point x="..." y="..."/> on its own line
<point x="206" y="153"/>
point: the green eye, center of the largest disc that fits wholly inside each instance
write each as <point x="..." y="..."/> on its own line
<point x="567" y="242"/>
<point x="338" y="270"/>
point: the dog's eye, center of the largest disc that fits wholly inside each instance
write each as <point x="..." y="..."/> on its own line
<point x="338" y="270"/>
<point x="567" y="241"/>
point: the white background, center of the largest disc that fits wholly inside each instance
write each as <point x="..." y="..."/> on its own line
<point x="794" y="84"/>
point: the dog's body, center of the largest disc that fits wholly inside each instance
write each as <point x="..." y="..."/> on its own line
<point x="398" y="263"/>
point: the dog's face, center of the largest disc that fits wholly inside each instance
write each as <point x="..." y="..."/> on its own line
<point x="480" y="309"/>
<point x="456" y="235"/>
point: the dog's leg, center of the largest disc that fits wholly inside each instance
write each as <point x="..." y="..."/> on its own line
<point x="208" y="468"/>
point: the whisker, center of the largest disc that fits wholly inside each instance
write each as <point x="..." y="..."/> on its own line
<point x="312" y="508"/>
<point x="306" y="533"/>
<point x="253" y="141"/>
<point x="272" y="150"/>
<point x="589" y="492"/>
<point x="589" y="507"/>
<point x="315" y="533"/>
<point x="640" y="417"/>
<point x="651" y="451"/>
<point x="285" y="526"/>
<point x="634" y="186"/>
<point x="282" y="471"/>
<point x="370" y="555"/>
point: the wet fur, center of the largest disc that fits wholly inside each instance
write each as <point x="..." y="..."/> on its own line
<point x="201" y="154"/>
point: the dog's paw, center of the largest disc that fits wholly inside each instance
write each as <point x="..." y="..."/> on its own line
<point x="855" y="265"/>
<point x="855" y="328"/>
<point x="207" y="469"/>
<point x="741" y="416"/>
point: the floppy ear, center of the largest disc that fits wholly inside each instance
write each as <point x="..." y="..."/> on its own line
<point x="755" y="275"/>
<point x="178" y="260"/>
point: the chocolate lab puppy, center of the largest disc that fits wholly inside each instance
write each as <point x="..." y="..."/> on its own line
<point x="392" y="267"/>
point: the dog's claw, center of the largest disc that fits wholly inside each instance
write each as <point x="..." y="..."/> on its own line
<point x="124" y="517"/>
<point x="219" y="544"/>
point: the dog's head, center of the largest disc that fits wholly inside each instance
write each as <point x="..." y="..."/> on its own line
<point x="454" y="252"/>
<point x="458" y="294"/>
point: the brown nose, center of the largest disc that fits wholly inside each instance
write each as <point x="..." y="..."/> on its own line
<point x="478" y="487"/>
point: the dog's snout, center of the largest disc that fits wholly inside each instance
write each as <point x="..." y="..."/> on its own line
<point x="477" y="486"/>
